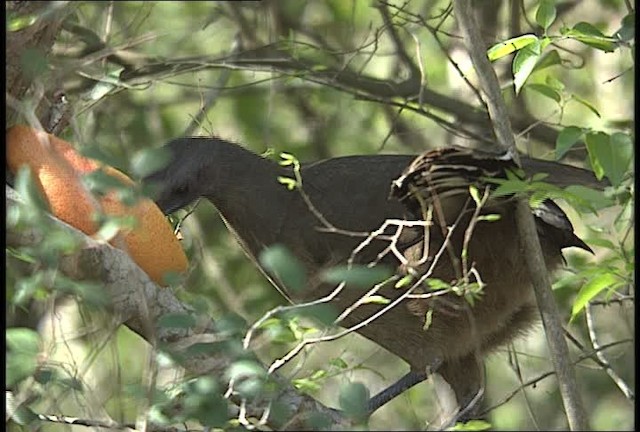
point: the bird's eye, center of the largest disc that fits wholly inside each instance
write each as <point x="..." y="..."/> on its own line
<point x="182" y="190"/>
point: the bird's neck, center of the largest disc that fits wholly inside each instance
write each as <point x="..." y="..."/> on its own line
<point x="247" y="193"/>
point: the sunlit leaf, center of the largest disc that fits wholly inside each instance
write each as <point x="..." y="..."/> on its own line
<point x="287" y="159"/>
<point x="290" y="183"/>
<point x="509" y="46"/>
<point x="404" y="281"/>
<point x="306" y="385"/>
<point x="437" y="284"/>
<point x="21" y="22"/>
<point x="473" y="191"/>
<point x="524" y="63"/>
<point x="376" y="299"/>
<point x="591" y="289"/>
<point x="489" y="217"/>
<point x="586" y="103"/>
<point x="428" y="319"/>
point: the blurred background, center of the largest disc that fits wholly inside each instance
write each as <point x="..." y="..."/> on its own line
<point x="320" y="79"/>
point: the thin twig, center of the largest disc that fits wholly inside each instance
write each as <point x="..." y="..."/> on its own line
<point x="624" y="388"/>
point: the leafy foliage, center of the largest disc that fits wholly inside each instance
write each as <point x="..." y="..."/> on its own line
<point x="332" y="82"/>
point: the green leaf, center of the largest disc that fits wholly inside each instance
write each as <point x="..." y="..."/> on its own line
<point x="177" y="320"/>
<point x="628" y="30"/>
<point x="34" y="62"/>
<point x="113" y="225"/>
<point x="23" y="346"/>
<point x="353" y="400"/>
<point x="524" y="63"/>
<point x="545" y="90"/>
<point x="29" y="191"/>
<point x="337" y="362"/>
<point x="242" y="369"/>
<point x="596" y="141"/>
<point x="539" y="177"/>
<point x="505" y="48"/>
<point x="91" y="293"/>
<point x="148" y="161"/>
<point x="18" y="23"/>
<point x="473" y="191"/>
<point x="489" y="217"/>
<point x="591" y="198"/>
<point x="555" y="83"/>
<point x="566" y="139"/>
<point x="621" y="157"/>
<point x="586" y="104"/>
<point x="22" y="340"/>
<point x="100" y="183"/>
<point x="281" y="263"/>
<point x="610" y="155"/>
<point x="603" y="243"/>
<point x="376" y="299"/>
<point x="548" y="59"/>
<point x="406" y="280"/>
<point x="28" y="288"/>
<point x="591" y="289"/>
<point x="19" y="412"/>
<point x="324" y="313"/>
<point x="509" y="187"/>
<point x="473" y="425"/>
<point x="306" y="385"/>
<point x="590" y="35"/>
<point x="287" y="159"/>
<point x="357" y="275"/>
<point x="290" y="183"/>
<point x="546" y="13"/>
<point x="437" y="284"/>
<point x="428" y="319"/>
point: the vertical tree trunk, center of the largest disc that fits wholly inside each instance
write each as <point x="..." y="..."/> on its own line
<point x="31" y="43"/>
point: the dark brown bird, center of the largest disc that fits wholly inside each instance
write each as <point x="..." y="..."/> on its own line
<point x="352" y="194"/>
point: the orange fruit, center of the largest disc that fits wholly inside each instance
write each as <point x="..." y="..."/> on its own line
<point x="68" y="199"/>
<point x="57" y="168"/>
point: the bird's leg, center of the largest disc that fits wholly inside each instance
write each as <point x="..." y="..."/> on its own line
<point x="466" y="379"/>
<point x="405" y="383"/>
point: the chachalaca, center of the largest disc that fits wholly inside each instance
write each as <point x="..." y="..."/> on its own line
<point x="353" y="194"/>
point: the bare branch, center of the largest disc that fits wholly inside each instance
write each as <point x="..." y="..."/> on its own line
<point x="138" y="303"/>
<point x="624" y="388"/>
<point x="576" y="414"/>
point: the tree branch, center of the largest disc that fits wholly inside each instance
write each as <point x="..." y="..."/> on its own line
<point x="138" y="303"/>
<point x="530" y="242"/>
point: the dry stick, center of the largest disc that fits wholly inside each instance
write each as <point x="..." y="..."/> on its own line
<point x="128" y="286"/>
<point x="293" y="352"/>
<point x="540" y="377"/>
<point x="624" y="388"/>
<point x="576" y="414"/>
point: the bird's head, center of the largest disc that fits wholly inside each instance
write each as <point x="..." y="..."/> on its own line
<point x="185" y="172"/>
